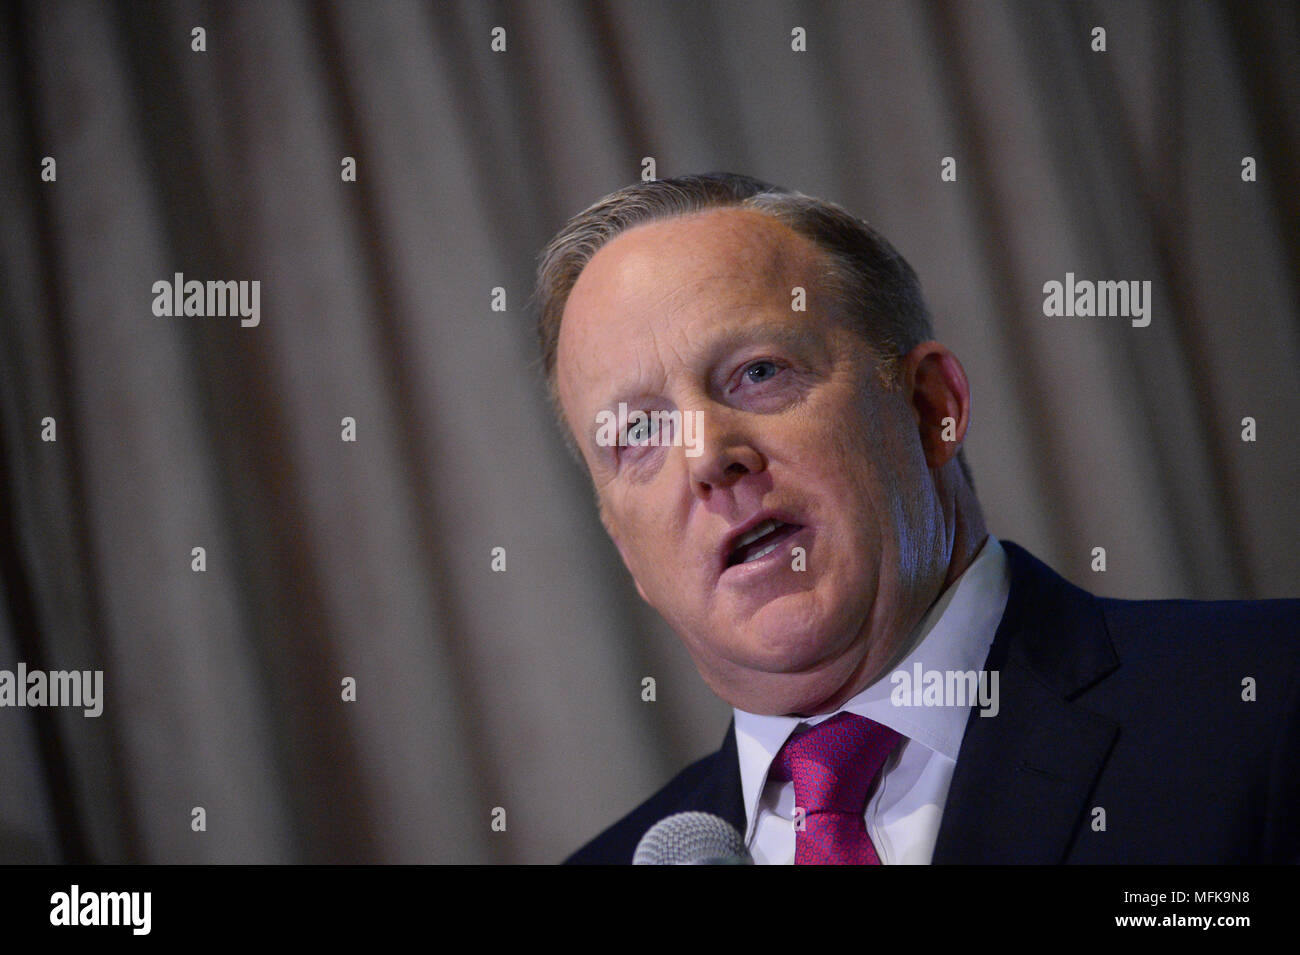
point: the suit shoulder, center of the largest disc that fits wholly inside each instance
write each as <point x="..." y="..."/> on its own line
<point x="1269" y="627"/>
<point x="1176" y="652"/>
<point x="694" y="788"/>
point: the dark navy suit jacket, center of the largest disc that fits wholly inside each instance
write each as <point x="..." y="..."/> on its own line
<point x="1131" y="706"/>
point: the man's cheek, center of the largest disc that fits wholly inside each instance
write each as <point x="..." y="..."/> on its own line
<point x="624" y="551"/>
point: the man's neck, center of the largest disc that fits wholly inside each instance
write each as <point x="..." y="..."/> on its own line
<point x="969" y="537"/>
<point x="969" y="534"/>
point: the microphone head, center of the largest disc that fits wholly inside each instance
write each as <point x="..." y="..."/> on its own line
<point x="691" y="838"/>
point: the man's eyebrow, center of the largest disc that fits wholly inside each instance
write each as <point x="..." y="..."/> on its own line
<point x="785" y="333"/>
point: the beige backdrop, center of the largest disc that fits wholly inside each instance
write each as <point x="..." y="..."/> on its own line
<point x="371" y="559"/>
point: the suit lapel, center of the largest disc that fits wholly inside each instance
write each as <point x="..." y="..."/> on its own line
<point x="718" y="790"/>
<point x="1020" y="788"/>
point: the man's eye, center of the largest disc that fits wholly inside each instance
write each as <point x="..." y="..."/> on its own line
<point x="760" y="371"/>
<point x="640" y="431"/>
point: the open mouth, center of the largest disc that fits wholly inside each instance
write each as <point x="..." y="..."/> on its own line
<point x="760" y="541"/>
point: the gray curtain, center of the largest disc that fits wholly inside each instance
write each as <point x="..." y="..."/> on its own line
<point x="479" y="690"/>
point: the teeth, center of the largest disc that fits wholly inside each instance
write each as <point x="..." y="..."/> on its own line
<point x="762" y="553"/>
<point x="764" y="528"/>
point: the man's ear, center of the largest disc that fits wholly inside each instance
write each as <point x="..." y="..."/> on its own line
<point x="937" y="389"/>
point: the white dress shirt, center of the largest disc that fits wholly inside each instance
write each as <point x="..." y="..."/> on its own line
<point x="904" y="810"/>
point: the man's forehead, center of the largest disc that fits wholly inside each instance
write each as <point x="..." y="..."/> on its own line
<point x="739" y="257"/>
<point x="728" y="243"/>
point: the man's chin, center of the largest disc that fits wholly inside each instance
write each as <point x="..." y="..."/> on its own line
<point x="786" y="694"/>
<point x="790" y="636"/>
<point x="786" y="678"/>
<point x="784" y="655"/>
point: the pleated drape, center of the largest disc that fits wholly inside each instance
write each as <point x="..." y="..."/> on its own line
<point x="499" y="715"/>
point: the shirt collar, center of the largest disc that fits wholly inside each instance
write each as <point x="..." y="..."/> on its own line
<point x="955" y="634"/>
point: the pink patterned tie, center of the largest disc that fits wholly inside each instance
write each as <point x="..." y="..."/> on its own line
<point x="833" y="767"/>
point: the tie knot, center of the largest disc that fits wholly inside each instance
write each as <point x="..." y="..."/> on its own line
<point x="834" y="764"/>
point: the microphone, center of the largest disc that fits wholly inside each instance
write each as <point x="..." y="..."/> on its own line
<point x="692" y="838"/>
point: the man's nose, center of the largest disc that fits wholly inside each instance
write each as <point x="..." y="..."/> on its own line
<point x="727" y="455"/>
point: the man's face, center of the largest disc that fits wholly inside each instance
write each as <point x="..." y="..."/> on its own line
<point x="695" y="314"/>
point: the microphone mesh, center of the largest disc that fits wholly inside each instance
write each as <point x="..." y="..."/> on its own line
<point x="690" y="838"/>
